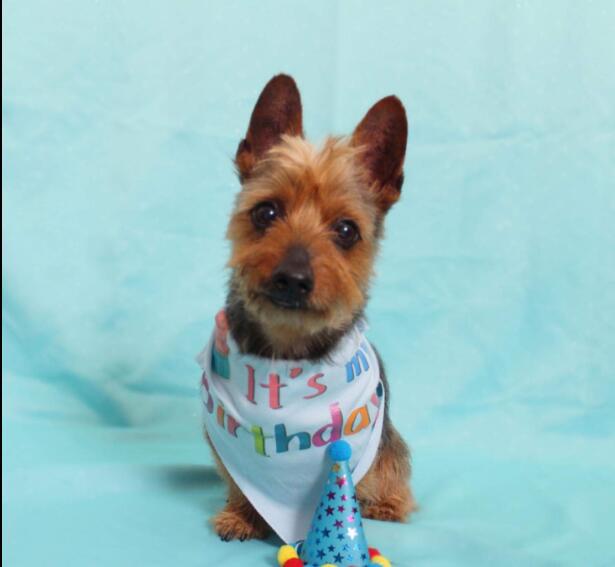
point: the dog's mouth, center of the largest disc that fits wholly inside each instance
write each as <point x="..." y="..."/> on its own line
<point x="286" y="303"/>
<point x="294" y="317"/>
<point x="292" y="306"/>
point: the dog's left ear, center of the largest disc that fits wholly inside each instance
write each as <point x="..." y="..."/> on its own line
<point x="382" y="135"/>
<point x="277" y="112"/>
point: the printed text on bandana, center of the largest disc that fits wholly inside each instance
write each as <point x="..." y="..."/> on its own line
<point x="267" y="392"/>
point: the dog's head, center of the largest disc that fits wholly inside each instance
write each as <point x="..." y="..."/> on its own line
<point x="307" y="222"/>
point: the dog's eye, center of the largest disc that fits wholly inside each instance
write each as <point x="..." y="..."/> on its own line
<point x="346" y="233"/>
<point x="264" y="214"/>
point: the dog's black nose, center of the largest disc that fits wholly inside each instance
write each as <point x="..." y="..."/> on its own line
<point x="293" y="279"/>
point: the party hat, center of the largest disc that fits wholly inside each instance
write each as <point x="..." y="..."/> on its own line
<point x="336" y="537"/>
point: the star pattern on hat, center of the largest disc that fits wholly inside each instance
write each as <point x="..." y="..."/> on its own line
<point x="336" y="535"/>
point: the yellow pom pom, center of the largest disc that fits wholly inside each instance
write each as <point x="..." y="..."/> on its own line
<point x="285" y="553"/>
<point x="381" y="561"/>
<point x="327" y="565"/>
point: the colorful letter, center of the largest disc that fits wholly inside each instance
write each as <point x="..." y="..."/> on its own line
<point x="335" y="426"/>
<point x="353" y="368"/>
<point x="274" y="386"/>
<point x="259" y="440"/>
<point x="282" y="439"/>
<point x="313" y="383"/>
<point x="220" y="415"/>
<point x="251" y="384"/>
<point x="363" y="414"/>
<point x="232" y="425"/>
<point x="210" y="402"/>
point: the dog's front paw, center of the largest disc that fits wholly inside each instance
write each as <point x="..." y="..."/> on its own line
<point x="231" y="524"/>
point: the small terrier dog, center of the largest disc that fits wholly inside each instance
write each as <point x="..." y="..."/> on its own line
<point x="305" y="232"/>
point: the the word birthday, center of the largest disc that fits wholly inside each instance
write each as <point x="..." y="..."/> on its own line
<point x="279" y="440"/>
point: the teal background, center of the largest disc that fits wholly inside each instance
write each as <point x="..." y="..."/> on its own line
<point x="493" y="307"/>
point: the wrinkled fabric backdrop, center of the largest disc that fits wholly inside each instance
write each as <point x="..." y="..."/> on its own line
<point x="494" y="301"/>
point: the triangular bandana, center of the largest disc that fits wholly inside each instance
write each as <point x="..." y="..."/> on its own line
<point x="271" y="421"/>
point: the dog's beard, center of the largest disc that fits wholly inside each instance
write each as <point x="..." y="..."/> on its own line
<point x="266" y="328"/>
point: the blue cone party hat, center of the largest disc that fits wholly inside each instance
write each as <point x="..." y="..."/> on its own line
<point x="336" y="537"/>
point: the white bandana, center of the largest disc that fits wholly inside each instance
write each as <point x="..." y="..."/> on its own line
<point x="270" y="421"/>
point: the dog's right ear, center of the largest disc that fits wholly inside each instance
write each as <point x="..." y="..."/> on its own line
<point x="277" y="112"/>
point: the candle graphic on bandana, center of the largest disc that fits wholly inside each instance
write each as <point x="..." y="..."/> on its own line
<point x="219" y="362"/>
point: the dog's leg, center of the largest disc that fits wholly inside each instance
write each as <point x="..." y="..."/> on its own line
<point x="384" y="492"/>
<point x="238" y="519"/>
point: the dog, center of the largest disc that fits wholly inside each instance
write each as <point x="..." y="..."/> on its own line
<point x="304" y="232"/>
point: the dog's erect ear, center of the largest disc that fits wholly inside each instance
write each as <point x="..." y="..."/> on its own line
<point x="277" y="112"/>
<point x="382" y="134"/>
